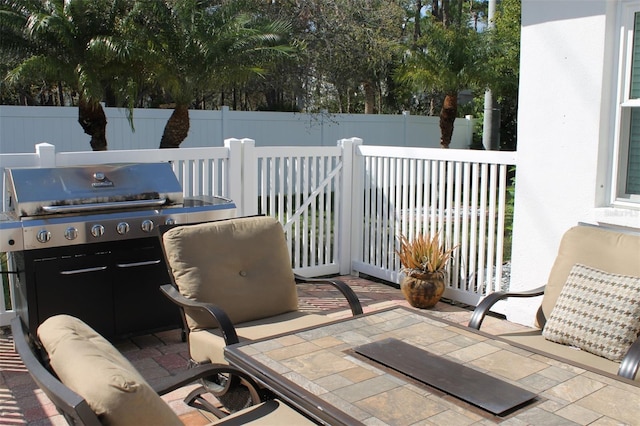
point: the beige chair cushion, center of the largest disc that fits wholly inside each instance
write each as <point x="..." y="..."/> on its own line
<point x="607" y="250"/>
<point x="533" y="339"/>
<point x="208" y="345"/>
<point x="90" y="366"/>
<point x="241" y="265"/>
<point x="270" y="413"/>
<point x="597" y="312"/>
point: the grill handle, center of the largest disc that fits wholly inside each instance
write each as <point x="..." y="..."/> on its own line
<point x="83" y="271"/>
<point x="138" y="264"/>
<point x="74" y="208"/>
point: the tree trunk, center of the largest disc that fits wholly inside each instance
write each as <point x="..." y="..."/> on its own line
<point x="435" y="10"/>
<point x="177" y="128"/>
<point x="94" y="123"/>
<point x="432" y="105"/>
<point x="446" y="13"/>
<point x="447" y="117"/>
<point x="234" y="92"/>
<point x="369" y="98"/>
<point x="416" y="26"/>
<point x="110" y="96"/>
<point x="341" y="100"/>
<point x="458" y="17"/>
<point x="271" y="98"/>
<point x="60" y="94"/>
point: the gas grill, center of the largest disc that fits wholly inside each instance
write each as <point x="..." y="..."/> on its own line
<point x="84" y="241"/>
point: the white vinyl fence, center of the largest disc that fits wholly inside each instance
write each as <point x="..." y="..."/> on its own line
<point x="21" y="127"/>
<point x="462" y="195"/>
<point x="342" y="207"/>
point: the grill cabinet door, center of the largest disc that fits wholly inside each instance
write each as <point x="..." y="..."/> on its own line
<point x="78" y="285"/>
<point x="140" y="305"/>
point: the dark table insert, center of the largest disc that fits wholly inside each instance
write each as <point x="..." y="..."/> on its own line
<point x="472" y="386"/>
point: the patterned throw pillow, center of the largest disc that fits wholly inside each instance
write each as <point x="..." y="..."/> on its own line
<point x="597" y="312"/>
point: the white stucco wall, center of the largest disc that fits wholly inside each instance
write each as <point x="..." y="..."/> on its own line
<point x="565" y="129"/>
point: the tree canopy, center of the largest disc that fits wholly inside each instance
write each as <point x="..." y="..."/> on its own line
<point x="355" y="56"/>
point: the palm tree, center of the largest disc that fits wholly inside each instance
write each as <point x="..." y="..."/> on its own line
<point x="447" y="60"/>
<point x="196" y="45"/>
<point x="66" y="41"/>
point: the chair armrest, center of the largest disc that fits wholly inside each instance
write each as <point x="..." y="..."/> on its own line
<point x="483" y="307"/>
<point x="630" y="362"/>
<point x="347" y="292"/>
<point x="220" y="317"/>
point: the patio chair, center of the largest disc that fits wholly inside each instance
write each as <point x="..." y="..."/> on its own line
<point x="591" y="302"/>
<point x="233" y="282"/>
<point x="91" y="383"/>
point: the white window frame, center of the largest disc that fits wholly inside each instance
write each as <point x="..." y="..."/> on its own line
<point x="619" y="197"/>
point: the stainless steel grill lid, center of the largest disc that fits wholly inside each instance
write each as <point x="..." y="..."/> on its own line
<point x="59" y="190"/>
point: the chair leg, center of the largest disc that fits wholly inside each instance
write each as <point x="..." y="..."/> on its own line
<point x="233" y="392"/>
<point x="195" y="397"/>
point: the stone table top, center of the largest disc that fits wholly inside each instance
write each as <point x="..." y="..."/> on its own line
<point x="317" y="370"/>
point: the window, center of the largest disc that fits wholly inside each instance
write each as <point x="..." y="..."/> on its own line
<point x="627" y="168"/>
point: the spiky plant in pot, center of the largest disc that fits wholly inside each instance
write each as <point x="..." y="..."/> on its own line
<point x="424" y="260"/>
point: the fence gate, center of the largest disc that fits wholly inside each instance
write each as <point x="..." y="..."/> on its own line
<point x="301" y="186"/>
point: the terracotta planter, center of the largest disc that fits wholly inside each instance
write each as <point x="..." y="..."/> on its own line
<point x="423" y="290"/>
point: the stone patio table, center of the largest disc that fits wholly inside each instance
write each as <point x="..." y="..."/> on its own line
<point x="318" y="371"/>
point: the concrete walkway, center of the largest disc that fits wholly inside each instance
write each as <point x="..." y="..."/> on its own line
<point x="162" y="354"/>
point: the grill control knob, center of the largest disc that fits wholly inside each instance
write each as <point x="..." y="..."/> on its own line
<point x="97" y="230"/>
<point x="170" y="221"/>
<point x="147" y="225"/>
<point x="71" y="233"/>
<point x="43" y="236"/>
<point x="122" y="228"/>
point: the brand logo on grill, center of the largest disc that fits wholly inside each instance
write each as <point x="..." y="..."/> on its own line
<point x="104" y="184"/>
<point x="102" y="181"/>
